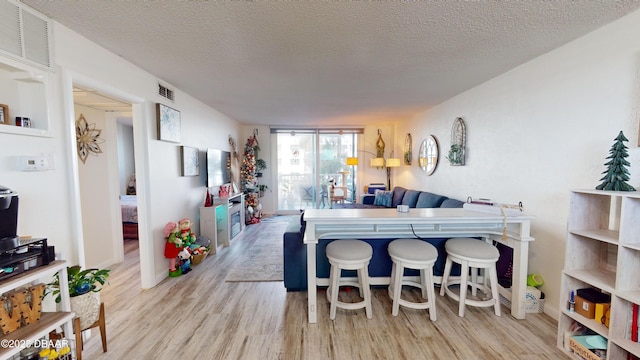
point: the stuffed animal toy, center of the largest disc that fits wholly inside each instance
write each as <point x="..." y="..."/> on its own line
<point x="185" y="260"/>
<point x="172" y="247"/>
<point x="184" y="233"/>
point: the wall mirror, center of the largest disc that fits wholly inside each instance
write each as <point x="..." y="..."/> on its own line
<point x="429" y="155"/>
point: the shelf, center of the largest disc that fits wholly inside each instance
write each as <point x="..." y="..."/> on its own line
<point x="604" y="280"/>
<point x="31" y="275"/>
<point x="627" y="345"/>
<point x="48" y="321"/>
<point x="590" y="323"/>
<point x="610" y="236"/>
<point x="603" y="251"/>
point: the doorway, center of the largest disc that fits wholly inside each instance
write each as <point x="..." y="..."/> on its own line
<point x="103" y="176"/>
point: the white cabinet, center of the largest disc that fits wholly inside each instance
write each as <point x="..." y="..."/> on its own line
<point x="223" y="221"/>
<point x="603" y="252"/>
<point x="48" y="320"/>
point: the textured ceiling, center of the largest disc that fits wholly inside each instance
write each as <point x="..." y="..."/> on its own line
<point x="329" y="62"/>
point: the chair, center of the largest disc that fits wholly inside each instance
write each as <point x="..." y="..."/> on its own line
<point x="337" y="194"/>
<point x="412" y="254"/>
<point x="306" y="194"/>
<point x="349" y="255"/>
<point x="101" y="323"/>
<point x="324" y="194"/>
<point x="471" y="254"/>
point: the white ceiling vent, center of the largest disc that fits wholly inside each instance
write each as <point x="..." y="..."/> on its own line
<point x="25" y="34"/>
<point x="165" y="92"/>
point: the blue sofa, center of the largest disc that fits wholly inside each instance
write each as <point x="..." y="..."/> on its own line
<point x="295" y="251"/>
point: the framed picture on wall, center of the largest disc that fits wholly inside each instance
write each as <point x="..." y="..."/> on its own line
<point x="4" y="114"/>
<point x="190" y="161"/>
<point x="168" y="123"/>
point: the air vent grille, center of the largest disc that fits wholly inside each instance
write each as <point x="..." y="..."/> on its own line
<point x="24" y="34"/>
<point x="165" y="92"/>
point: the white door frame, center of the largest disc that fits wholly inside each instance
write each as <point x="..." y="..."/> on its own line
<point x="139" y="113"/>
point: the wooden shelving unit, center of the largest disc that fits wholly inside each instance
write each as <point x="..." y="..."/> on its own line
<point x="49" y="320"/>
<point x="603" y="252"/>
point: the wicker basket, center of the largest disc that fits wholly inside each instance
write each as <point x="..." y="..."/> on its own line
<point x="197" y="259"/>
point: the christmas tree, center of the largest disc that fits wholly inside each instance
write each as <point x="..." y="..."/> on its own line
<point x="617" y="175"/>
<point x="248" y="179"/>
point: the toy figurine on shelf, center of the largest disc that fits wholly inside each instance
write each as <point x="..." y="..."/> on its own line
<point x="223" y="192"/>
<point x="172" y="248"/>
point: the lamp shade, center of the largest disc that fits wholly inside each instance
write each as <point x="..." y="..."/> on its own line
<point x="352" y="161"/>
<point x="377" y="162"/>
<point x="393" y="162"/>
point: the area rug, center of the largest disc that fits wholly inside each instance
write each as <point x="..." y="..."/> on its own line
<point x="263" y="260"/>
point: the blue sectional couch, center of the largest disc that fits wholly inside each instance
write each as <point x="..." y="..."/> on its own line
<point x="295" y="251"/>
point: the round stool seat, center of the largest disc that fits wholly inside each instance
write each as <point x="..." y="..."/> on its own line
<point x="349" y="255"/>
<point x="474" y="255"/>
<point x="411" y="250"/>
<point x="472" y="249"/>
<point x="412" y="254"/>
<point x="349" y="251"/>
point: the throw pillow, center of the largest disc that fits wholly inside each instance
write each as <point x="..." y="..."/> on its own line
<point x="383" y="198"/>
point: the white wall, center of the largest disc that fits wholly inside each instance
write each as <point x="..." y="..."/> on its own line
<point x="95" y="197"/>
<point x="47" y="198"/>
<point x="538" y="131"/>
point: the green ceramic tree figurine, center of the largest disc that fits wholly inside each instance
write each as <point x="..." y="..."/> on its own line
<point x="616" y="175"/>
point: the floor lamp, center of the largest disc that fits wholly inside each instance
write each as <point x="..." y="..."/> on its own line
<point x="391" y="163"/>
<point x="353" y="161"/>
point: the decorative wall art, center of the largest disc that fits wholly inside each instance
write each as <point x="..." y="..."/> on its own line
<point x="88" y="139"/>
<point x="190" y="161"/>
<point x="168" y="123"/>
<point x="458" y="140"/>
<point x="408" y="153"/>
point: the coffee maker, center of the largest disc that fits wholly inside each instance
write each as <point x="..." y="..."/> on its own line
<point x="18" y="255"/>
<point x="8" y="219"/>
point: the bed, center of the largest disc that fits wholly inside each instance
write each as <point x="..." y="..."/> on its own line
<point x="129" y="207"/>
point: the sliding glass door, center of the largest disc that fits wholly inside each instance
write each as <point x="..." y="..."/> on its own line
<point x="309" y="162"/>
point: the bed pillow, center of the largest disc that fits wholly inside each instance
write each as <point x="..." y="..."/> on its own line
<point x="383" y="198"/>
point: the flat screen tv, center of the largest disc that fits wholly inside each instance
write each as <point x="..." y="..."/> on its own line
<point x="218" y="167"/>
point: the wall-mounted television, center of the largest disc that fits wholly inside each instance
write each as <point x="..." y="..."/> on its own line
<point x="218" y="167"/>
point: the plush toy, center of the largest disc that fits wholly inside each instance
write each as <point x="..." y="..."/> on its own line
<point x="185" y="260"/>
<point x="172" y="248"/>
<point x="184" y="233"/>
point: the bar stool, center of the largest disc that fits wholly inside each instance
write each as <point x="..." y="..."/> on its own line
<point x="349" y="255"/>
<point x="412" y="254"/>
<point x="471" y="254"/>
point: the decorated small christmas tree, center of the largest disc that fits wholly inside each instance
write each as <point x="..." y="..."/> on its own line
<point x="248" y="179"/>
<point x="617" y="175"/>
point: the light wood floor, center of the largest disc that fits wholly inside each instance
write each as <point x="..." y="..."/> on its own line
<point x="200" y="316"/>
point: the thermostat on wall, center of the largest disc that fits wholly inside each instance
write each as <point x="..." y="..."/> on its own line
<point x="35" y="162"/>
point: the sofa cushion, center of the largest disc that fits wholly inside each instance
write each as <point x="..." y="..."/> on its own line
<point x="452" y="203"/>
<point x="410" y="198"/>
<point x="398" y="194"/>
<point x="429" y="200"/>
<point x="383" y="198"/>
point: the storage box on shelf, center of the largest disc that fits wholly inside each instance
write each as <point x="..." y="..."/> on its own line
<point x="603" y="252"/>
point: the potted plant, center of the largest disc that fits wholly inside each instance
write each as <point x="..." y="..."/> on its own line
<point x="84" y="290"/>
<point x="260" y="165"/>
